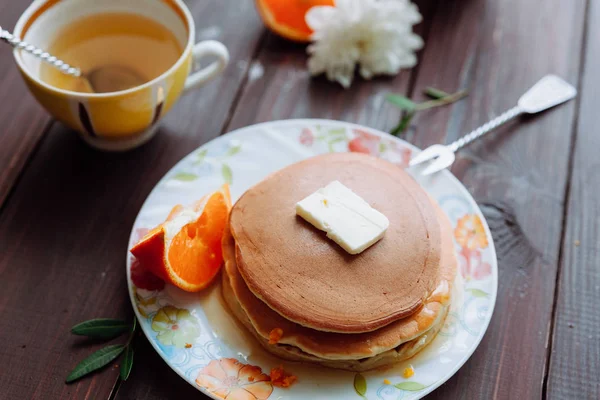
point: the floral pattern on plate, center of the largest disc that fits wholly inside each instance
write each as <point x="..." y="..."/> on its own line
<point x="229" y="379"/>
<point x="175" y="327"/>
<point x="197" y="337"/>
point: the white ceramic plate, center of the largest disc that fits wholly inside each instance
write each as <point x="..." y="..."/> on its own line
<point x="195" y="334"/>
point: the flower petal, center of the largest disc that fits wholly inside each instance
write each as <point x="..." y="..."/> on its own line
<point x="182" y="338"/>
<point x="356" y="146"/>
<point x="222" y="392"/>
<point x="165" y="337"/>
<point x="158" y="326"/>
<point x="171" y="313"/>
<point x="251" y="371"/>
<point x="209" y="382"/>
<point x="231" y="366"/>
<point x="215" y="370"/>
<point x="319" y="16"/>
<point x="161" y="317"/>
<point x="414" y="42"/>
<point x="482" y="271"/>
<point x="377" y="34"/>
<point x="240" y="394"/>
<point x="463" y="262"/>
<point x="182" y="314"/>
<point x="306" y="137"/>
<point x="260" y="390"/>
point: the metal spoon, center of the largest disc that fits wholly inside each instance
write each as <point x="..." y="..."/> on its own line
<point x="105" y="79"/>
<point x="550" y="91"/>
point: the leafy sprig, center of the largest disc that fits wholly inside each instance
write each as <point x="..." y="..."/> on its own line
<point x="105" y="329"/>
<point x="410" y="108"/>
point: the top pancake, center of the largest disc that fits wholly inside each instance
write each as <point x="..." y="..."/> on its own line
<point x="307" y="278"/>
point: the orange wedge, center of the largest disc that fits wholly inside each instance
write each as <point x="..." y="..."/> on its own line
<point x="286" y="17"/>
<point x="185" y="250"/>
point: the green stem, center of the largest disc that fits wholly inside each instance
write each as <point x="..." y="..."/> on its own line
<point x="435" y="93"/>
<point x="404" y="123"/>
<point x="133" y="331"/>
<point x="396" y="131"/>
<point x="442" y="102"/>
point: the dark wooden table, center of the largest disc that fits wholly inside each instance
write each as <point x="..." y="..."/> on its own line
<point x="66" y="210"/>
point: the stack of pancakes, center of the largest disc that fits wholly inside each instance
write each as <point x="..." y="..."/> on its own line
<point x="305" y="299"/>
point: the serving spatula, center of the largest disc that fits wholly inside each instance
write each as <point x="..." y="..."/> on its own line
<point x="550" y="91"/>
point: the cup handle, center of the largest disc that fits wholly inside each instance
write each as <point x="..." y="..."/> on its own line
<point x="203" y="49"/>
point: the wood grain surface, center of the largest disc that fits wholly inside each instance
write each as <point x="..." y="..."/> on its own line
<point x="22" y="119"/>
<point x="64" y="230"/>
<point x="66" y="210"/>
<point x="518" y="175"/>
<point x="576" y="341"/>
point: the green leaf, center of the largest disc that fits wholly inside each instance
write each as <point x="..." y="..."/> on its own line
<point x="382" y="147"/>
<point x="404" y="124"/>
<point x="234" y="150"/>
<point x="134" y="324"/>
<point x="477" y="292"/>
<point x="200" y="156"/>
<point x="101" y="328"/>
<point x="127" y="363"/>
<point x="402" y="102"/>
<point x="227" y="174"/>
<point x="337" y="132"/>
<point x="334" y="141"/>
<point x="360" y="385"/>
<point x="435" y="93"/>
<point x="185" y="177"/>
<point x="97" y="360"/>
<point x="410" y="386"/>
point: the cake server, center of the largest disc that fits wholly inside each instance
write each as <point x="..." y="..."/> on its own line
<point x="550" y="91"/>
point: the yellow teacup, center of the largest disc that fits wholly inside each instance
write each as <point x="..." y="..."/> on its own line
<point x="120" y="120"/>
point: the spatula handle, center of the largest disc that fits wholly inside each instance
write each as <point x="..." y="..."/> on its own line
<point x="488" y="127"/>
<point x="39" y="53"/>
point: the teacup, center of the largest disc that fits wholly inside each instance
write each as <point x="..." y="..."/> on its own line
<point x="126" y="119"/>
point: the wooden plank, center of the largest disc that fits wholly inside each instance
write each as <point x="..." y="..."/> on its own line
<point x="575" y="356"/>
<point x="65" y="228"/>
<point x="498" y="50"/>
<point x="22" y="118"/>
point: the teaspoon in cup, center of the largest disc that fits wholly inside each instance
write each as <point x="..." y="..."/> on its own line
<point x="111" y="78"/>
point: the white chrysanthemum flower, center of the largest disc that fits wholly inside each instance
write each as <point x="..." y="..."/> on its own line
<point x="374" y="34"/>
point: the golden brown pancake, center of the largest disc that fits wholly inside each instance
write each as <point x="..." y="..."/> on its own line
<point x="403" y="352"/>
<point x="348" y="351"/>
<point x="307" y="278"/>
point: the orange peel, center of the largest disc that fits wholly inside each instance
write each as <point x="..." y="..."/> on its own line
<point x="185" y="250"/>
<point x="286" y="17"/>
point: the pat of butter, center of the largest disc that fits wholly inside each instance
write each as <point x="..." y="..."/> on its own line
<point x="348" y="220"/>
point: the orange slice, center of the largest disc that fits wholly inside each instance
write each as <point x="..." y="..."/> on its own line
<point x="286" y="17"/>
<point x="185" y="250"/>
